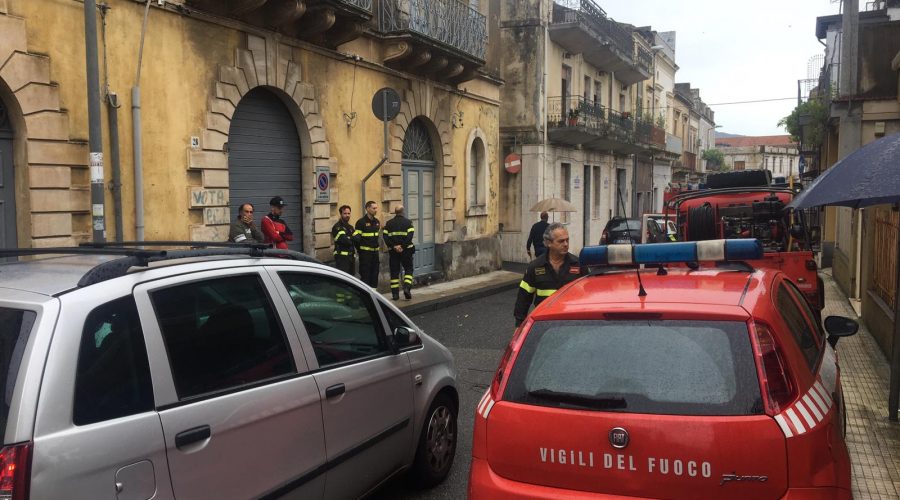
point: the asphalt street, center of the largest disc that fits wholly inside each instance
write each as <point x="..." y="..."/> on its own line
<point x="476" y="332"/>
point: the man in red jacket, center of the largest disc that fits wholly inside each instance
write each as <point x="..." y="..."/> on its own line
<point x="273" y="226"/>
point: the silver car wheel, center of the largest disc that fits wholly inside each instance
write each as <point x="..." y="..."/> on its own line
<point x="440" y="438"/>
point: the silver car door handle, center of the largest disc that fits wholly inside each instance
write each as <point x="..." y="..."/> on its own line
<point x="335" y="390"/>
<point x="191" y="436"/>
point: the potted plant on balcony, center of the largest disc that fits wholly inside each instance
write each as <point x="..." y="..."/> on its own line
<point x="573" y="116"/>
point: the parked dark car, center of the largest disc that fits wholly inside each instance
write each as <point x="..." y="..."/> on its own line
<point x="621" y="230"/>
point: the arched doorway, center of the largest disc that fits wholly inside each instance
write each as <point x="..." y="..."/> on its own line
<point x="8" y="236"/>
<point x="264" y="159"/>
<point x="418" y="192"/>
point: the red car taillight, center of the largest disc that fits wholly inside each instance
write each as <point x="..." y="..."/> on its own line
<point x="508" y="354"/>
<point x="15" y="462"/>
<point x="604" y="237"/>
<point x="777" y="386"/>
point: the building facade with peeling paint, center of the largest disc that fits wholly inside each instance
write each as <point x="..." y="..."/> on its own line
<point x="574" y="110"/>
<point x="245" y="100"/>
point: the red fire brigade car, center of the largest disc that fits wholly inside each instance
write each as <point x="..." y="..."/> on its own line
<point x="744" y="204"/>
<point x="714" y="382"/>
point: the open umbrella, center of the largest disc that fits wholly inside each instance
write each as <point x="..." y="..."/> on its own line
<point x="868" y="176"/>
<point x="554" y="205"/>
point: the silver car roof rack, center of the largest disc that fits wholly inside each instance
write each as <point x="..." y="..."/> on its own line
<point x="139" y="257"/>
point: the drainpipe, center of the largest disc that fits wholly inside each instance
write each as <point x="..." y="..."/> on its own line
<point x="112" y="101"/>
<point x="98" y="222"/>
<point x="542" y="172"/>
<point x="138" y="146"/>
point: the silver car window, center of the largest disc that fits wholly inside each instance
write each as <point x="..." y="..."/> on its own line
<point x="15" y="328"/>
<point x="113" y="375"/>
<point x="221" y="334"/>
<point x="394" y="321"/>
<point x="339" y="318"/>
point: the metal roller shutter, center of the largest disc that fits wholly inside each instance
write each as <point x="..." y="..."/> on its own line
<point x="264" y="159"/>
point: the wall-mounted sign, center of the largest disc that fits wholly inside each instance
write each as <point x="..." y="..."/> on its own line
<point x="323" y="185"/>
<point x="513" y="163"/>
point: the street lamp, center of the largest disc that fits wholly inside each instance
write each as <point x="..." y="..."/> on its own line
<point x="654" y="49"/>
<point x="711" y="144"/>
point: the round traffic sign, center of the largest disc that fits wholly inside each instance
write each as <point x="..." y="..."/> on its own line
<point x="386" y="104"/>
<point x="512" y="163"/>
<point x="322" y="181"/>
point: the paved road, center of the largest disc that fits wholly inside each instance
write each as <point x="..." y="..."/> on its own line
<point x="476" y="332"/>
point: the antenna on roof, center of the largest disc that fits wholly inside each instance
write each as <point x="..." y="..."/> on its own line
<point x="641" y="292"/>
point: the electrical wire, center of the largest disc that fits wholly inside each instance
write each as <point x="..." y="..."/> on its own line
<point x="754" y="101"/>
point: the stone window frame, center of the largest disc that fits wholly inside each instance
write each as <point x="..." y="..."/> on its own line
<point x="477" y="205"/>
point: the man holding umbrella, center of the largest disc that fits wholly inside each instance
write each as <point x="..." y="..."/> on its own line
<point x="536" y="236"/>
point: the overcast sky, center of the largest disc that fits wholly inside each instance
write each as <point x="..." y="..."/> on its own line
<point x="737" y="51"/>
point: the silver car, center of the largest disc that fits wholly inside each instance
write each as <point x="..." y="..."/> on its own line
<point x="212" y="374"/>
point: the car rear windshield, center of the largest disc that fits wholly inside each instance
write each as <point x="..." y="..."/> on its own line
<point x="624" y="225"/>
<point x="656" y="367"/>
<point x="15" y="327"/>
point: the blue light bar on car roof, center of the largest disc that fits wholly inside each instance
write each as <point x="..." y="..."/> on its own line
<point x="661" y="253"/>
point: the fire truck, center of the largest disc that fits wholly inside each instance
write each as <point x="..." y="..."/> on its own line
<point x="745" y="204"/>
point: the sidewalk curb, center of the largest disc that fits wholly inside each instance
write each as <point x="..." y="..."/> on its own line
<point x="457" y="298"/>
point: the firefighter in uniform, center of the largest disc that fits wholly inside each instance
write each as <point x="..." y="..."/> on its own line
<point x="342" y="236"/>
<point x="398" y="236"/>
<point x="365" y="236"/>
<point x="547" y="273"/>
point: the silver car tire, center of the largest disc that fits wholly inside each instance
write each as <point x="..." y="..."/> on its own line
<point x="437" y="443"/>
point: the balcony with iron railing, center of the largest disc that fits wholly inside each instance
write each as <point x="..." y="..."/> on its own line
<point x="451" y="24"/>
<point x="582" y="27"/>
<point x="643" y="59"/>
<point x="324" y="22"/>
<point x="576" y="121"/>
<point x="439" y="39"/>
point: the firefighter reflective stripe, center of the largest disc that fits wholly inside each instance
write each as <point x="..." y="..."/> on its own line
<point x="341" y="253"/>
<point x="366" y="235"/>
<point x="395" y="283"/>
<point x="396" y="233"/>
<point x="407" y="278"/>
<point x="525" y="286"/>
<point x="368" y="249"/>
<point x="339" y="234"/>
<point x="357" y="232"/>
<point x="544" y="293"/>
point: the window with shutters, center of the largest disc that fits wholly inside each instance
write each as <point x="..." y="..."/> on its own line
<point x="477" y="173"/>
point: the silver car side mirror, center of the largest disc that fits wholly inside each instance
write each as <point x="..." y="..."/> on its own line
<point x="403" y="336"/>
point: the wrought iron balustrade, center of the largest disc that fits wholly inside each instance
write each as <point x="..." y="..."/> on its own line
<point x="448" y="22"/>
<point x="570" y="11"/>
<point x="621" y="121"/>
<point x="575" y="111"/>
<point x="643" y="59"/>
<point x="359" y="4"/>
<point x="643" y="131"/>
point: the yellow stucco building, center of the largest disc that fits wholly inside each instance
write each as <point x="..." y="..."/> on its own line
<point x="244" y="100"/>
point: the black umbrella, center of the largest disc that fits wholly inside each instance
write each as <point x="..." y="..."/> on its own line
<point x="868" y="176"/>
